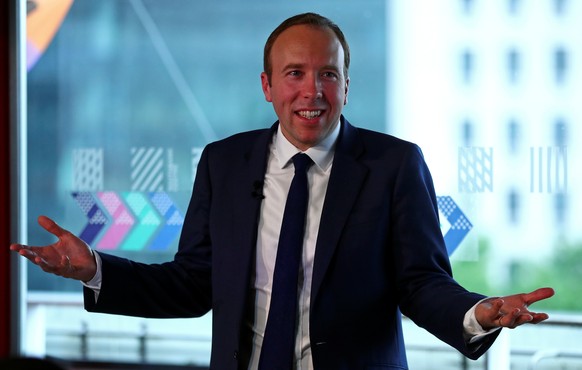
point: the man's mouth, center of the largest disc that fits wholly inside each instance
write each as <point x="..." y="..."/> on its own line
<point x="309" y="114"/>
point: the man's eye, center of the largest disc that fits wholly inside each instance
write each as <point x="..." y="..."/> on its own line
<point x="294" y="73"/>
<point x="329" y="75"/>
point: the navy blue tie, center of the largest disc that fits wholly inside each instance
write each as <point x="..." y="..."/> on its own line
<point x="279" y="340"/>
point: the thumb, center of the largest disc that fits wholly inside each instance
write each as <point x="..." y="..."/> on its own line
<point x="51" y="226"/>
<point x="538" y="295"/>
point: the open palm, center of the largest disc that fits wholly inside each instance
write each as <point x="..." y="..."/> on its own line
<point x="511" y="311"/>
<point x="69" y="256"/>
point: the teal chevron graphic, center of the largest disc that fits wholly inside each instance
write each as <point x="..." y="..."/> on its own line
<point x="147" y="222"/>
<point x="129" y="221"/>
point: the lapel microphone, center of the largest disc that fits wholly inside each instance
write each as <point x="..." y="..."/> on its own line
<point x="258" y="190"/>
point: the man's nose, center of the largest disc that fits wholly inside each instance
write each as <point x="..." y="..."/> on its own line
<point x="312" y="88"/>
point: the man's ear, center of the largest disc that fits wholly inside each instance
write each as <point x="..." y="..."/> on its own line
<point x="266" y="86"/>
<point x="346" y="91"/>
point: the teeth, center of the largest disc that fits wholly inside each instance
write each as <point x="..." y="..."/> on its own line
<point x="309" y="113"/>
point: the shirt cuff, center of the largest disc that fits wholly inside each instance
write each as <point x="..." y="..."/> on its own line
<point x="95" y="283"/>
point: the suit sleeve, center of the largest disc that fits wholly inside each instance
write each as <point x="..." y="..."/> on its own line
<point x="179" y="288"/>
<point x="428" y="294"/>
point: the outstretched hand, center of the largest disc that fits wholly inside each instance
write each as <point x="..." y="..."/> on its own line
<point x="69" y="256"/>
<point x="511" y="311"/>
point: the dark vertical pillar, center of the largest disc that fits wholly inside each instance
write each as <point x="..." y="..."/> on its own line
<point x="5" y="181"/>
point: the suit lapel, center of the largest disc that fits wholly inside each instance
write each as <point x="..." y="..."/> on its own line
<point x="346" y="179"/>
<point x="247" y="187"/>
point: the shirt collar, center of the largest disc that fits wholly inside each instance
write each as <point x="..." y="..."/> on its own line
<point x="321" y="154"/>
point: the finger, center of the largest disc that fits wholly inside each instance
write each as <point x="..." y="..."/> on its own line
<point x="28" y="254"/>
<point x="538" y="295"/>
<point x="51" y="226"/>
<point x="26" y="250"/>
<point x="514" y="319"/>
<point x="539" y="317"/>
<point x="16" y="247"/>
<point x="522" y="319"/>
<point x="64" y="268"/>
<point x="494" y="308"/>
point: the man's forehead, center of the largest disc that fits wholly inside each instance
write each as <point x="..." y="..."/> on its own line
<point x="300" y="31"/>
<point x="298" y="38"/>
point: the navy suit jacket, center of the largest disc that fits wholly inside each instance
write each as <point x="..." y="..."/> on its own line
<point x="379" y="252"/>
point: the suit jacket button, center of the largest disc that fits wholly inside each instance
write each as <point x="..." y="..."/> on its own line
<point x="235" y="355"/>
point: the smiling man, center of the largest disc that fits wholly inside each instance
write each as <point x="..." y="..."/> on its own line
<point x="366" y="237"/>
<point x="306" y="80"/>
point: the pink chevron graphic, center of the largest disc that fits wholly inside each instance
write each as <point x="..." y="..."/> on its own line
<point x="123" y="221"/>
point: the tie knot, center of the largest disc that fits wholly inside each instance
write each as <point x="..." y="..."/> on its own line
<point x="302" y="162"/>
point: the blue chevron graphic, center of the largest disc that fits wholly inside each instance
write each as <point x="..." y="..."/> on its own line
<point x="460" y="224"/>
<point x="173" y="221"/>
<point x="97" y="218"/>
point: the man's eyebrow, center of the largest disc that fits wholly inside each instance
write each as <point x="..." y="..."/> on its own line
<point x="292" y="66"/>
<point x="332" y="67"/>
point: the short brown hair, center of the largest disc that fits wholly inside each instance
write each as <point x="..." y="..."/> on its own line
<point x="310" y="19"/>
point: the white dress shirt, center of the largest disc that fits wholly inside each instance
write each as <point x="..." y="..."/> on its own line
<point x="277" y="181"/>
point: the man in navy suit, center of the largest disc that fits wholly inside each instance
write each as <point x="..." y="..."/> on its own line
<point x="372" y="246"/>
